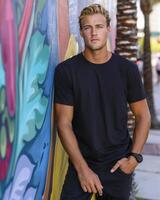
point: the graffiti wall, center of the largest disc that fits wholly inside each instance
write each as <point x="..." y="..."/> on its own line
<point x="34" y="36"/>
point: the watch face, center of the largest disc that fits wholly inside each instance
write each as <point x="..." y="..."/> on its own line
<point x="138" y="157"/>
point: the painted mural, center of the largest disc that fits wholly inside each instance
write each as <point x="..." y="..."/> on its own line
<point x="34" y="36"/>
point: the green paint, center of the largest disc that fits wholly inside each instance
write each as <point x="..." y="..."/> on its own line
<point x="2" y="99"/>
<point x="11" y="129"/>
<point x="4" y="116"/>
<point x="3" y="142"/>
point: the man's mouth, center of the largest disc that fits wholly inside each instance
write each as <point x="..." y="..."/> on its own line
<point x="94" y="40"/>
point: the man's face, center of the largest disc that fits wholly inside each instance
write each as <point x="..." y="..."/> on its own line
<point x="94" y="31"/>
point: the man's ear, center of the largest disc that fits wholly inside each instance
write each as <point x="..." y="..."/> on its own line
<point x="81" y="34"/>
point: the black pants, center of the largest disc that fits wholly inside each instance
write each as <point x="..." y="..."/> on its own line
<point x="116" y="186"/>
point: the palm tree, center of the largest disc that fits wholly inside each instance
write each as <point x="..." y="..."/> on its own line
<point x="126" y="40"/>
<point x="126" y="46"/>
<point x="146" y="7"/>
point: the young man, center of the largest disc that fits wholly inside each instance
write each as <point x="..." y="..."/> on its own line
<point x="92" y="90"/>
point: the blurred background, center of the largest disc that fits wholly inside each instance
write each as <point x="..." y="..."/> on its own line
<point x="35" y="35"/>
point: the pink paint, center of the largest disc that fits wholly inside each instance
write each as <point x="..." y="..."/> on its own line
<point x="63" y="27"/>
<point x="8" y="43"/>
<point x="4" y="163"/>
<point x="24" y="26"/>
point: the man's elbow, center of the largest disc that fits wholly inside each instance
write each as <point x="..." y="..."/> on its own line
<point x="144" y="117"/>
<point x="63" y="126"/>
<point x="148" y="119"/>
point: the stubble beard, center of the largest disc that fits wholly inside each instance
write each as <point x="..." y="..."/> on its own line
<point x="96" y="48"/>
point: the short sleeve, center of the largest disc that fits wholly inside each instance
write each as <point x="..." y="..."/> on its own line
<point x="63" y="92"/>
<point x="135" y="88"/>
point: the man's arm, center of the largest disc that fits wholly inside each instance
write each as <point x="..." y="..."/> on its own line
<point x="88" y="179"/>
<point x="142" y="125"/>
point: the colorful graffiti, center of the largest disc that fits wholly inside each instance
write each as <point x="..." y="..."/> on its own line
<point x="34" y="36"/>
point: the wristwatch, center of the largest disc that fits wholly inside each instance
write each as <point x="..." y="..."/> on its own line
<point x="137" y="156"/>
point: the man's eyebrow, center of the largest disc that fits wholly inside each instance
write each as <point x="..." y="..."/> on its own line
<point x="86" y="25"/>
<point x="98" y="24"/>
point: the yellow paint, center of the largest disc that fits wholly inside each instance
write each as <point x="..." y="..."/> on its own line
<point x="72" y="48"/>
<point x="59" y="170"/>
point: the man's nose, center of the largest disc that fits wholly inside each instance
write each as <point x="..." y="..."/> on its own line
<point x="94" y="31"/>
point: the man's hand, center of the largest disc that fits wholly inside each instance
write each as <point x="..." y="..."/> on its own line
<point x="90" y="181"/>
<point x="127" y="165"/>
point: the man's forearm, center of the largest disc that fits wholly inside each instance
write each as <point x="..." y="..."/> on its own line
<point x="70" y="144"/>
<point x="142" y="125"/>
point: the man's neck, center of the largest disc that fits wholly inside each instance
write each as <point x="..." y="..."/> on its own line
<point x="97" y="57"/>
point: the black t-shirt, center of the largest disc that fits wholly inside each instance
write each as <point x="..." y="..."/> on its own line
<point x="99" y="94"/>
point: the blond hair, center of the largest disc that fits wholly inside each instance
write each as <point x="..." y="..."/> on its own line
<point x="94" y="9"/>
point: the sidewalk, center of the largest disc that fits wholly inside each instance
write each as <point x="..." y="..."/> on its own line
<point x="147" y="174"/>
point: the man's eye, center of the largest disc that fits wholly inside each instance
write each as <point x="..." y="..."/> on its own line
<point x="86" y="28"/>
<point x="100" y="26"/>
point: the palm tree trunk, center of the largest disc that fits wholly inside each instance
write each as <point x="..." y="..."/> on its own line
<point x="126" y="41"/>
